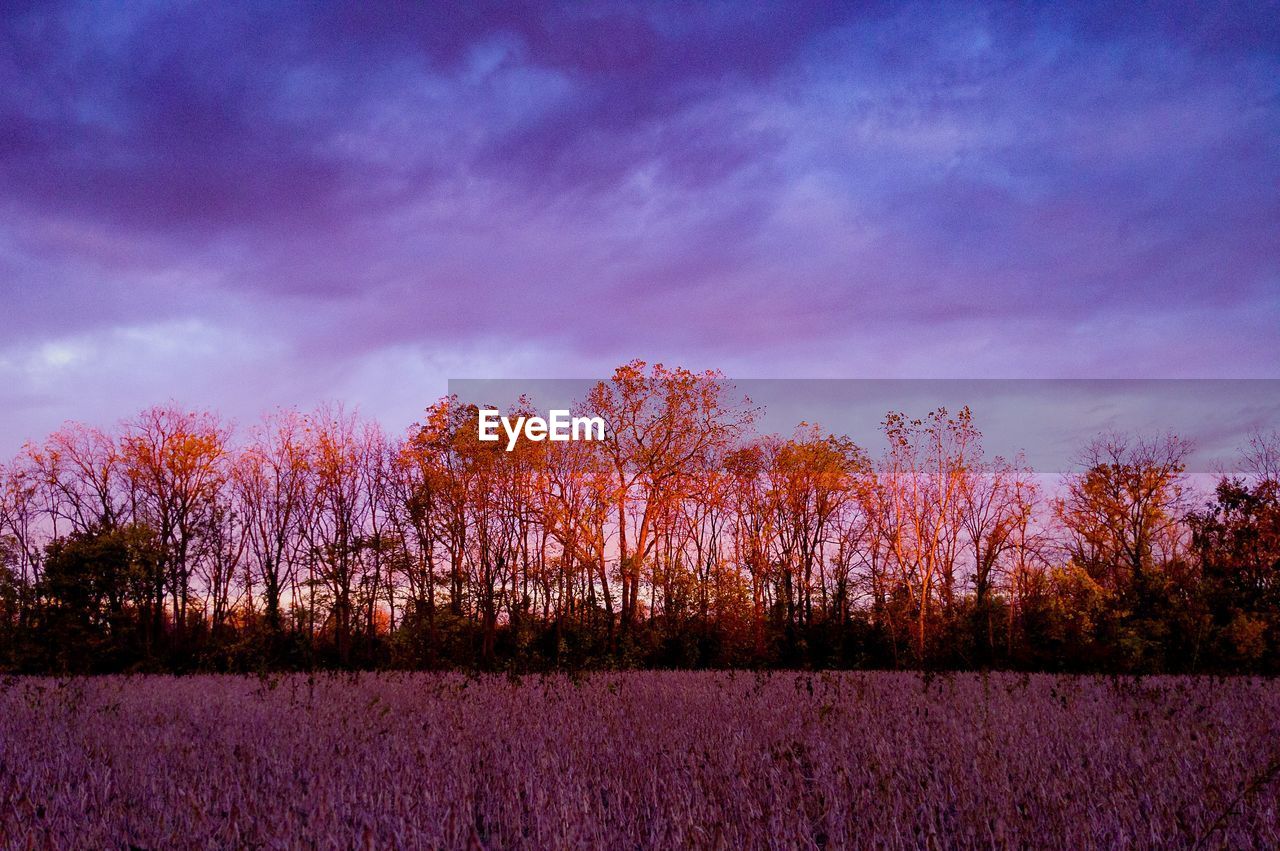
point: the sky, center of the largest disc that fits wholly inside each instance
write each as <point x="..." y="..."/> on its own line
<point x="244" y="206"/>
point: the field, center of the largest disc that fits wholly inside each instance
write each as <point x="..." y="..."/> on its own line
<point x="638" y="760"/>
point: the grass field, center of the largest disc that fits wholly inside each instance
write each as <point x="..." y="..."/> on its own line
<point x="638" y="760"/>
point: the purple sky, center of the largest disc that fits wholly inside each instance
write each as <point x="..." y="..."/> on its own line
<point x="243" y="206"/>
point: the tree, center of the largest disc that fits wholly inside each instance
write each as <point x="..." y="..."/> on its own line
<point x="997" y="506"/>
<point x="1123" y="518"/>
<point x="922" y="481"/>
<point x="335" y="533"/>
<point x="272" y="486"/>
<point x="1123" y="513"/>
<point x="1237" y="539"/>
<point x="660" y="421"/>
<point x="575" y="509"/>
<point x="93" y="582"/>
<point x="813" y="480"/>
<point x="83" y="469"/>
<point x="684" y="538"/>
<point x="175" y="464"/>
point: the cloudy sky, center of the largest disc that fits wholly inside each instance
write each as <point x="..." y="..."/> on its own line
<point x="242" y="206"/>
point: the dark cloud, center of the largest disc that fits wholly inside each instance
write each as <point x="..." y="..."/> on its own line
<point x="823" y="189"/>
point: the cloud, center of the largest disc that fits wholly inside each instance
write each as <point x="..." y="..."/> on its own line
<point x="338" y="197"/>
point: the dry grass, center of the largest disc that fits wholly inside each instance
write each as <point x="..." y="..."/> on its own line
<point x="639" y="760"/>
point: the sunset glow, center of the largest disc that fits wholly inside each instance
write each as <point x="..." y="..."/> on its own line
<point x="645" y="425"/>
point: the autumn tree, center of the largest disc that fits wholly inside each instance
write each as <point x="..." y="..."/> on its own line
<point x="813" y="480"/>
<point x="753" y="528"/>
<point x="1123" y="513"/>
<point x="922" y="480"/>
<point x="83" y="470"/>
<point x="175" y="464"/>
<point x="1123" y="520"/>
<point x="576" y="505"/>
<point x="683" y="538"/>
<point x="660" y="421"/>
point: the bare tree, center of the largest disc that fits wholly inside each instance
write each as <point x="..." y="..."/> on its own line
<point x="273" y="493"/>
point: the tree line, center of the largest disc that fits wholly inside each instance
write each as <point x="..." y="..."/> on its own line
<point x="684" y="538"/>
